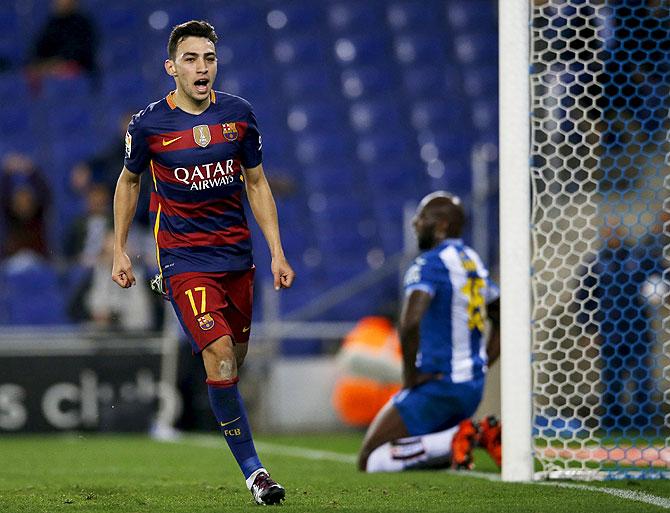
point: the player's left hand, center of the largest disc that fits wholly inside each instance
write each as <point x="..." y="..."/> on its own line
<point x="282" y="272"/>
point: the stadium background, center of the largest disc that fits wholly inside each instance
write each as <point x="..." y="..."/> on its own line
<point x="358" y="124"/>
<point x="364" y="107"/>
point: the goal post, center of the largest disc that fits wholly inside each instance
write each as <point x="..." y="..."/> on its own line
<point x="515" y="357"/>
<point x="585" y="238"/>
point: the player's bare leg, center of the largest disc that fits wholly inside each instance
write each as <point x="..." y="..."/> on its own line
<point x="222" y="359"/>
<point x="386" y="426"/>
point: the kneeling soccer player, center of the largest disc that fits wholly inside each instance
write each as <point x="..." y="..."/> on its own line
<point x="448" y="296"/>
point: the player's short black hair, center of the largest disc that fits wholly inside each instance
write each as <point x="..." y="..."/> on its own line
<point x="195" y="28"/>
<point x="455" y="213"/>
<point x="448" y="206"/>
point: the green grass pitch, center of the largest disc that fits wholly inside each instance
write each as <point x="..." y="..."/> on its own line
<point x="133" y="474"/>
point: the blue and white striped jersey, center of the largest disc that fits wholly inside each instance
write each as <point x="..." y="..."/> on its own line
<point x="451" y="333"/>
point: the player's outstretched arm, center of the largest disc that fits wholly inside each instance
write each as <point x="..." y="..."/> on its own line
<point x="265" y="211"/>
<point x="125" y="203"/>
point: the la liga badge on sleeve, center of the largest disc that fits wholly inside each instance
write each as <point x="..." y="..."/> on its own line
<point x="229" y="131"/>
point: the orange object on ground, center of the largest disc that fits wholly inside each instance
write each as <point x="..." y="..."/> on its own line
<point x="370" y="363"/>
<point x="376" y="334"/>
<point x="357" y="400"/>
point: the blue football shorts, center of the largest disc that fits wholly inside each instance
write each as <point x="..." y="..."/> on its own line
<point x="438" y="404"/>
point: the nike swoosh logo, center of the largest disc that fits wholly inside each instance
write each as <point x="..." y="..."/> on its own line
<point x="230" y="421"/>
<point x="244" y="330"/>
<point x="168" y="143"/>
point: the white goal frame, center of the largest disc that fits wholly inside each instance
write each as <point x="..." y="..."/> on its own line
<point x="522" y="356"/>
<point x="515" y="285"/>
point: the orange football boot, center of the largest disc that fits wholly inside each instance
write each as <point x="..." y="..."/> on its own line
<point x="490" y="438"/>
<point x="462" y="445"/>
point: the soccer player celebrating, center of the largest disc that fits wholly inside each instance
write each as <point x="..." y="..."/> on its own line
<point x="202" y="148"/>
<point x="448" y="296"/>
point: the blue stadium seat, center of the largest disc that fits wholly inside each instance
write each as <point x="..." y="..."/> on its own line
<point x="367" y="81"/>
<point x="13" y="44"/>
<point x="468" y="15"/>
<point x="338" y="204"/>
<point x="118" y="19"/>
<point x="416" y="15"/>
<point x="314" y="82"/>
<point x="79" y="145"/>
<point x="457" y="178"/>
<point x="277" y="148"/>
<point x="15" y="120"/>
<point x="117" y="88"/>
<point x="343" y="242"/>
<point x="33" y="15"/>
<point x="366" y="304"/>
<point x="389" y="214"/>
<point x="439" y="114"/>
<point x="423" y="48"/>
<point x="395" y="176"/>
<point x="324" y="177"/>
<point x="239" y="50"/>
<point x="476" y="48"/>
<point x="304" y="290"/>
<point x="423" y="81"/>
<point x="245" y="83"/>
<point x="452" y="144"/>
<point x="315" y="117"/>
<point x="154" y="20"/>
<point x="299" y="50"/>
<point x="117" y="51"/>
<point x="376" y="115"/>
<point x="354" y="16"/>
<point x="69" y="118"/>
<point x="296" y="17"/>
<point x="338" y="235"/>
<point x="363" y="49"/>
<point x="61" y="90"/>
<point x="481" y="81"/>
<point x="378" y="147"/>
<point x="236" y="17"/>
<point x="32" y="293"/>
<point x="432" y="81"/>
<point x="485" y="114"/>
<point x="312" y="148"/>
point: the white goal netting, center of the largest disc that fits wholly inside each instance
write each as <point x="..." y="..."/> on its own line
<point x="600" y="225"/>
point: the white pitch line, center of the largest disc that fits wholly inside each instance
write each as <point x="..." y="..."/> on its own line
<point x="630" y="495"/>
<point x="270" y="448"/>
<point x="315" y="454"/>
<point x="309" y="454"/>
<point x="617" y="492"/>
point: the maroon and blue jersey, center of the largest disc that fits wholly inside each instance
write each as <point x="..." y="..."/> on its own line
<point x="196" y="164"/>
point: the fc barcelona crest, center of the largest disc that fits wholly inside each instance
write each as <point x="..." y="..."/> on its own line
<point x="206" y="322"/>
<point x="229" y="131"/>
<point x="201" y="135"/>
